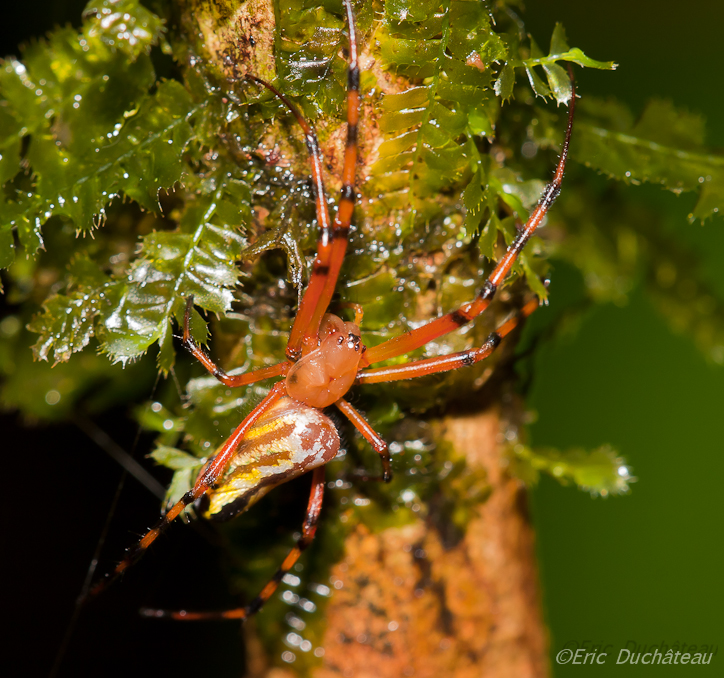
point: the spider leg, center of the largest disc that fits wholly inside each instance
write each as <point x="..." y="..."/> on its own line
<point x="309" y="528"/>
<point x="212" y="368"/>
<point x="379" y="445"/>
<point x="205" y="480"/>
<point x="332" y="243"/>
<point x="467" y="312"/>
<point x="445" y="363"/>
<point x="315" y="157"/>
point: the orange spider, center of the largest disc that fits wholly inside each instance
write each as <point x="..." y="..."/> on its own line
<point x="288" y="434"/>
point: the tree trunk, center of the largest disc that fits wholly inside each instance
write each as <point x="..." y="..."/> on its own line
<point x="407" y="604"/>
<point x="407" y="601"/>
<point x="410" y="606"/>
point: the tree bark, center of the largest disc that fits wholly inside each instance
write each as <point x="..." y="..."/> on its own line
<point x="409" y="606"/>
<point x="406" y="602"/>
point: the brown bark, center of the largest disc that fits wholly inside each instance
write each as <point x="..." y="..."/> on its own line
<point x="408" y="606"/>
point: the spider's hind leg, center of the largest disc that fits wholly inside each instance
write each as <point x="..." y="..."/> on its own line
<point x="207" y="478"/>
<point x="309" y="529"/>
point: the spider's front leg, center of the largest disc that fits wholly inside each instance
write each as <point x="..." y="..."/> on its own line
<point x="446" y="363"/>
<point x="212" y="368"/>
<point x="332" y="243"/>
<point x="409" y="341"/>
<point x="420" y="368"/>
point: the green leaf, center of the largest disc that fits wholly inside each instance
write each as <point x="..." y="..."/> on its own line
<point x="559" y="84"/>
<point x="662" y="147"/>
<point x="199" y="259"/>
<point x="308" y="58"/>
<point x="505" y="82"/>
<point x="175" y="459"/>
<point x="537" y="85"/>
<point x="67" y="322"/>
<point x="185" y="467"/>
<point x="156" y="417"/>
<point x="600" y="472"/>
<point x="474" y="200"/>
<point x="81" y="104"/>
<point x="559" y="44"/>
<point x="398" y="10"/>
<point x="125" y="25"/>
<point x="66" y="325"/>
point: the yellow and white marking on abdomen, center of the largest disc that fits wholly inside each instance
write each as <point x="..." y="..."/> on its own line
<point x="289" y="440"/>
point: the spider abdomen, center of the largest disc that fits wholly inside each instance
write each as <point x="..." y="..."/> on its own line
<point x="324" y="375"/>
<point x="289" y="440"/>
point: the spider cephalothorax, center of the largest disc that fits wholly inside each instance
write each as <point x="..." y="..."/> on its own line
<point x="326" y="373"/>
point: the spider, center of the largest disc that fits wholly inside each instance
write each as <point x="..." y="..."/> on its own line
<point x="288" y="433"/>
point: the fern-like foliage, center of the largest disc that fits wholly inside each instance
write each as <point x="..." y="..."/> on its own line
<point x="81" y="103"/>
<point x="124" y="192"/>
<point x="664" y="146"/>
<point x="99" y="127"/>
<point x="462" y="62"/>
<point x="85" y="122"/>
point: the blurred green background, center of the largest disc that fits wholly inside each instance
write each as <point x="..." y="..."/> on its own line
<point x="645" y="568"/>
